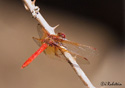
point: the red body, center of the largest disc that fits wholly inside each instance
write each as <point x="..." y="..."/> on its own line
<point x="30" y="59"/>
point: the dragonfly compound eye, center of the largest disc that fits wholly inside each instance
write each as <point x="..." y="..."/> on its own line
<point x="62" y="35"/>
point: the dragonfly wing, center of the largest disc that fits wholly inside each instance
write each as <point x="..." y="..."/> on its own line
<point x="41" y="31"/>
<point x="79" y="50"/>
<point x="80" y="59"/>
<point x="54" y="53"/>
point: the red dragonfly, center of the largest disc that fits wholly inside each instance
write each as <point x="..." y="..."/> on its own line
<point x="50" y="44"/>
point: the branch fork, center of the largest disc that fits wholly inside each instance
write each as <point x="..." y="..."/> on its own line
<point x="30" y="5"/>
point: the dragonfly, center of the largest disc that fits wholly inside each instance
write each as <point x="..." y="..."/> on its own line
<point x="51" y="46"/>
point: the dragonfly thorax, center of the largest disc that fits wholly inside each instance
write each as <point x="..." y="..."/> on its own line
<point x="53" y="40"/>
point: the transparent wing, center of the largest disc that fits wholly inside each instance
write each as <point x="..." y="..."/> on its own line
<point x="79" y="51"/>
<point x="40" y="31"/>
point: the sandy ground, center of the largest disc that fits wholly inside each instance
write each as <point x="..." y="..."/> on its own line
<point x="17" y="28"/>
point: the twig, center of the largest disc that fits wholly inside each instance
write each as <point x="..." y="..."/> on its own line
<point x="30" y="5"/>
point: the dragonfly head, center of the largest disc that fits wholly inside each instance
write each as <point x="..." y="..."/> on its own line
<point x="62" y="35"/>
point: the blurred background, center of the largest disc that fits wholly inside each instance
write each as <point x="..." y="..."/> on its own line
<point x="97" y="23"/>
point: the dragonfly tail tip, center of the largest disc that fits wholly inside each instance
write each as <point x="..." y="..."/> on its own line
<point x="22" y="67"/>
